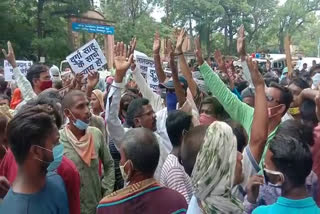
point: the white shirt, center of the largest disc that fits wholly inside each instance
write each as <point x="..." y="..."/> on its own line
<point x="116" y="131"/>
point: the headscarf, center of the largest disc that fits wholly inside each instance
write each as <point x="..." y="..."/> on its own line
<point x="214" y="171"/>
<point x="99" y="94"/>
<point x="16" y="98"/>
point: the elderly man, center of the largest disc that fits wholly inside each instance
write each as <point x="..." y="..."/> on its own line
<point x="139" y="159"/>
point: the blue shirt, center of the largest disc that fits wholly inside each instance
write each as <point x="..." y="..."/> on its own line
<point x="286" y="206"/>
<point x="51" y="199"/>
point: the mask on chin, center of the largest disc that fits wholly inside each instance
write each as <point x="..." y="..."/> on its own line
<point x="273" y="111"/>
<point x="45" y="85"/>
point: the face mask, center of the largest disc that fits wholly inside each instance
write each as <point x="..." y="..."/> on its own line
<point x="45" y="85"/>
<point x="271" y="111"/>
<point x="206" y="119"/>
<point x="171" y="99"/>
<point x="57" y="152"/>
<point x="79" y="123"/>
<point x="125" y="176"/>
<point x="276" y="173"/>
<point x="294" y="111"/>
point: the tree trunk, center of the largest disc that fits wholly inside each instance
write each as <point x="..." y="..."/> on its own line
<point x="230" y="35"/>
<point x="39" y="23"/>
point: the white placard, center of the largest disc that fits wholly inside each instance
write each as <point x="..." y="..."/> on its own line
<point x="152" y="79"/>
<point x="87" y="58"/>
<point x="144" y="63"/>
<point x="8" y="70"/>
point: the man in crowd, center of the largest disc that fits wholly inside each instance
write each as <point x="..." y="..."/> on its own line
<point x="139" y="159"/>
<point x="37" y="80"/>
<point x="34" y="141"/>
<point x="296" y="86"/>
<point x="139" y="114"/>
<point x="278" y="97"/>
<point x="288" y="163"/>
<point x="173" y="175"/>
<point x="85" y="146"/>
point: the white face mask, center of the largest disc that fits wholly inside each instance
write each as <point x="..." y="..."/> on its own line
<point x="125" y="176"/>
<point x="271" y="172"/>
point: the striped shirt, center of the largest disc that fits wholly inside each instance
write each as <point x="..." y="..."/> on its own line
<point x="174" y="177"/>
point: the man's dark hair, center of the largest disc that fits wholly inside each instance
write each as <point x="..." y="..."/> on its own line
<point x="140" y="146"/>
<point x="68" y="99"/>
<point x="135" y="108"/>
<point x="285" y="97"/>
<point x="177" y="121"/>
<point x="29" y="127"/>
<point x="241" y="85"/>
<point x="240" y="134"/>
<point x="219" y="111"/>
<point x="297" y="130"/>
<point x="52" y="94"/>
<point x="126" y="99"/>
<point x="308" y="112"/>
<point x="300" y="83"/>
<point x="3" y="84"/>
<point x="270" y="78"/>
<point x="35" y="71"/>
<point x="291" y="157"/>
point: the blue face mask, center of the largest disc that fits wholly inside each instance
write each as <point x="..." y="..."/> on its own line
<point x="57" y="153"/>
<point x="79" y="123"/>
<point x="172" y="100"/>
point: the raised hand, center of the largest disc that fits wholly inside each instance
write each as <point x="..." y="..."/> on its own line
<point x="169" y="48"/>
<point x="180" y="41"/>
<point x="253" y="187"/>
<point x="220" y="61"/>
<point x="256" y="76"/>
<point x="241" y="42"/>
<point x="198" y="51"/>
<point x="156" y="43"/>
<point x="10" y="56"/>
<point x="121" y="63"/>
<point x="93" y="79"/>
<point x="133" y="44"/>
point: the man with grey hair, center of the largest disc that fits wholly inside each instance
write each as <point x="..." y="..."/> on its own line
<point x="140" y="153"/>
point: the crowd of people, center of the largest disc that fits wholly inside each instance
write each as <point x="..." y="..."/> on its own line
<point x="227" y="140"/>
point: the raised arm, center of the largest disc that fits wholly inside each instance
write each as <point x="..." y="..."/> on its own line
<point x="22" y="82"/>
<point x="156" y="56"/>
<point x="237" y="110"/>
<point x="241" y="48"/>
<point x="184" y="66"/>
<point x="115" y="129"/>
<point x="177" y="86"/>
<point x="92" y="81"/>
<point x="259" y="131"/>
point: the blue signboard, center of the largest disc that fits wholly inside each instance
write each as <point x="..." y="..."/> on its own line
<point x="92" y="28"/>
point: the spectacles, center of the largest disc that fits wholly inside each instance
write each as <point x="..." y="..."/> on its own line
<point x="270" y="98"/>
<point x="150" y="113"/>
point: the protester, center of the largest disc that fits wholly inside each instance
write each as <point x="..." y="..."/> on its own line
<point x="304" y="68"/>
<point x="296" y="86"/>
<point x="139" y="159"/>
<point x="248" y="96"/>
<point x="173" y="175"/>
<point x="210" y="111"/>
<point x="85" y="146"/>
<point x="139" y="114"/>
<point x="37" y="150"/>
<point x="268" y="193"/>
<point x="67" y="170"/>
<point x="279" y="100"/>
<point x="37" y="80"/>
<point x="217" y="169"/>
<point x="288" y="163"/>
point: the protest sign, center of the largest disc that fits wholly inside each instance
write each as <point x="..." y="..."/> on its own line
<point x="144" y="64"/>
<point x="152" y="79"/>
<point x="8" y="70"/>
<point x="87" y="58"/>
<point x="148" y="70"/>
